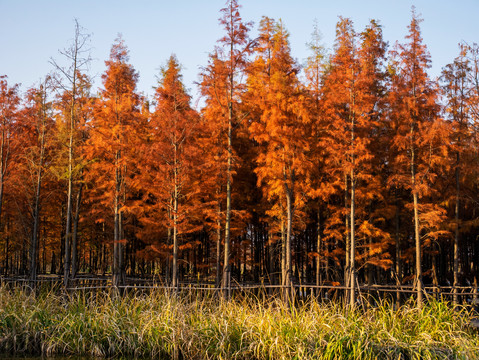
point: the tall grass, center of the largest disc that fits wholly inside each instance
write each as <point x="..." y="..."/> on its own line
<point x="162" y="325"/>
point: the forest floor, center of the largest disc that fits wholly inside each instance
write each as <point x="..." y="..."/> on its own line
<point x="162" y="325"/>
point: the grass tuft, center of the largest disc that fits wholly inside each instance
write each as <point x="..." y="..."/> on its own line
<point x="163" y="325"/>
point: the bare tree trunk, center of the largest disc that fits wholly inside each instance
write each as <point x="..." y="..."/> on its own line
<point x="347" y="240"/>
<point x="318" y="250"/>
<point x="352" y="298"/>
<point x="456" y="237"/>
<point x="168" y="271"/>
<point x="66" y="268"/>
<point x="352" y="256"/>
<point x="44" y="249"/>
<point x="435" y="281"/>
<point x="416" y="231"/>
<point x="175" y="226"/>
<point x="3" y="170"/>
<point x="67" y="253"/>
<point x="75" y="233"/>
<point x="117" y="224"/>
<point x="352" y="220"/>
<point x="7" y="252"/>
<point x="271" y="257"/>
<point x="398" y="260"/>
<point x="370" y="269"/>
<point x="287" y="263"/>
<point x="36" y="221"/>
<point x="218" y="247"/>
<point x="4" y="159"/>
<point x="283" y="258"/>
<point x="226" y="265"/>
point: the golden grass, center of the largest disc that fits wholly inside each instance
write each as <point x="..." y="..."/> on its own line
<point x="163" y="325"/>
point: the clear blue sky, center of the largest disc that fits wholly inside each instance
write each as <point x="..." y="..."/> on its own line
<point x="32" y="31"/>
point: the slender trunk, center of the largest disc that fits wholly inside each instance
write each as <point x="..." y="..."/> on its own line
<point x="168" y="270"/>
<point x="66" y="268"/>
<point x="370" y="268"/>
<point x="398" y="259"/>
<point x="75" y="233"/>
<point x="175" y="246"/>
<point x="117" y="225"/>
<point x="347" y="239"/>
<point x="175" y="226"/>
<point x="53" y="264"/>
<point x="36" y="221"/>
<point x="318" y="250"/>
<point x="245" y="249"/>
<point x="435" y="281"/>
<point x="415" y="205"/>
<point x="289" y="228"/>
<point x="2" y="181"/>
<point x="271" y="257"/>
<point x="226" y="264"/>
<point x="416" y="231"/>
<point x="44" y="249"/>
<point x="7" y="252"/>
<point x="36" y="214"/>
<point x="352" y="220"/>
<point x="456" y="237"/>
<point x="352" y="256"/>
<point x="283" y="256"/>
<point x="218" y="247"/>
<point x="4" y="156"/>
<point x="115" y="243"/>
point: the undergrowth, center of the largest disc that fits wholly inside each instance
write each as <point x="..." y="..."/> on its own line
<point x="164" y="325"/>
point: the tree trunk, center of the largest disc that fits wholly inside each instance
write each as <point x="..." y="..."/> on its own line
<point x="287" y="282"/>
<point x="67" y="252"/>
<point x="66" y="268"/>
<point x="226" y="265"/>
<point x="283" y="258"/>
<point x="398" y="260"/>
<point x="271" y="258"/>
<point x="7" y="252"/>
<point x="75" y="233"/>
<point x="352" y="220"/>
<point x="4" y="157"/>
<point x="117" y="255"/>
<point x="175" y="229"/>
<point x="2" y="181"/>
<point x="456" y="237"/>
<point x="34" y="243"/>
<point x="347" y="244"/>
<point x="218" y="247"/>
<point x="352" y="256"/>
<point x="416" y="231"/>
<point x="318" y="250"/>
<point x="168" y="269"/>
<point x="36" y="215"/>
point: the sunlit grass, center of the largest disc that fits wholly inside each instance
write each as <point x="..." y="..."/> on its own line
<point x="161" y="325"/>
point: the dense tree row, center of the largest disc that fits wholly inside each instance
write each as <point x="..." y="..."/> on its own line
<point x="354" y="168"/>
